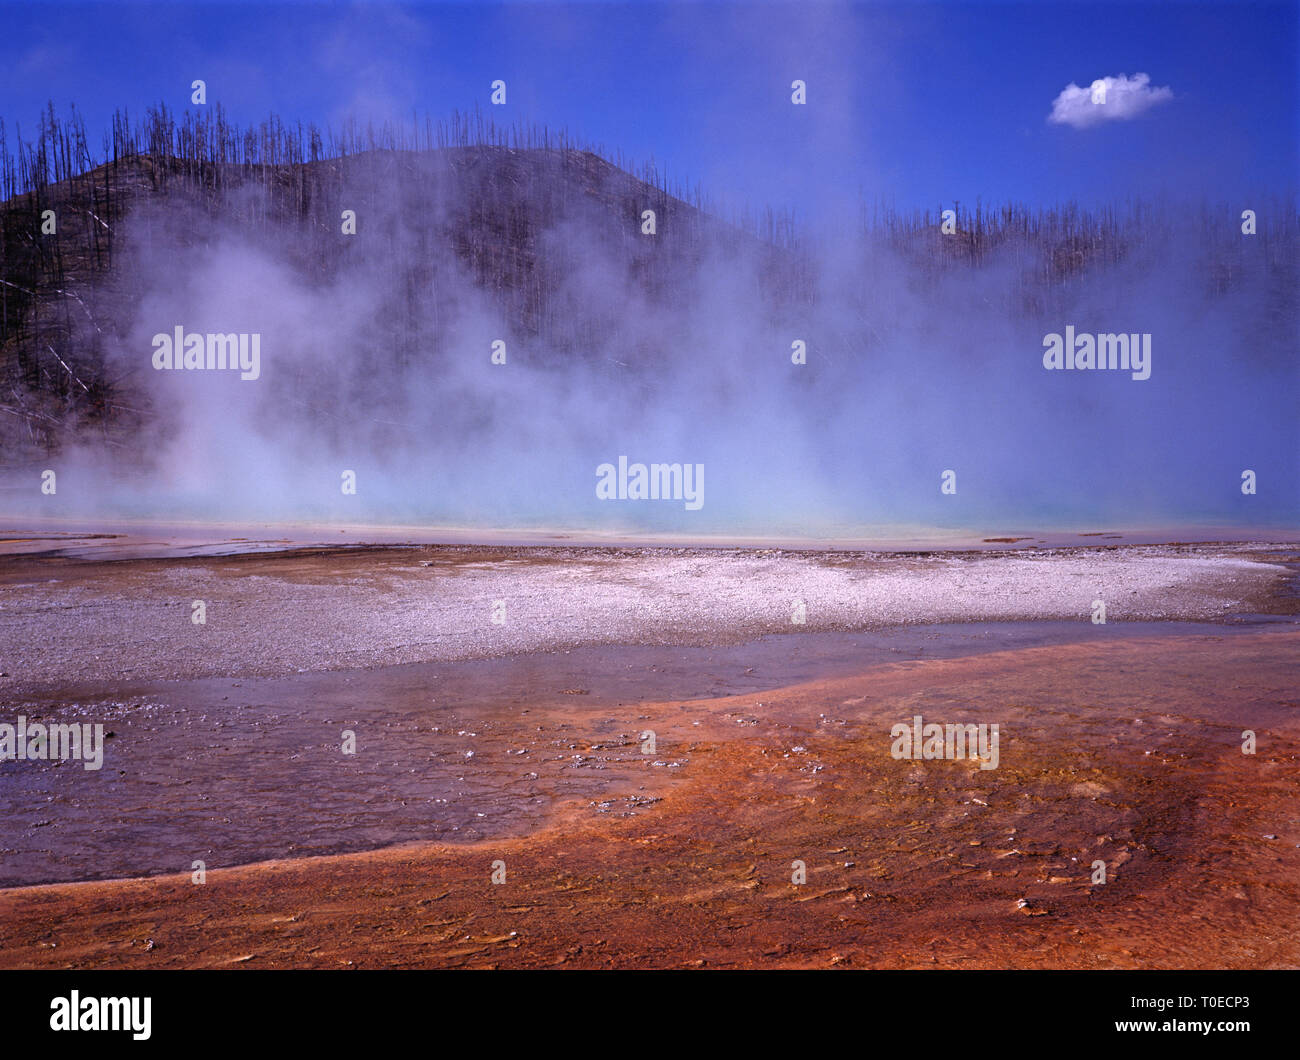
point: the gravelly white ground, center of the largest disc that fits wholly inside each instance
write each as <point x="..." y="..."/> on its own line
<point x="276" y="614"/>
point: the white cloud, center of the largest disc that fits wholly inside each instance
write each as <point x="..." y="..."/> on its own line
<point x="1117" y="99"/>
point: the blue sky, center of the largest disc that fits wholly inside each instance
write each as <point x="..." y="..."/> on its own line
<point x="914" y="103"/>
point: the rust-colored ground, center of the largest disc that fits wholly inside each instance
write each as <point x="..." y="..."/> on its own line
<point x="1124" y="751"/>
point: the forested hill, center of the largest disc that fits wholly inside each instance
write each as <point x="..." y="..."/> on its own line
<point x="455" y="235"/>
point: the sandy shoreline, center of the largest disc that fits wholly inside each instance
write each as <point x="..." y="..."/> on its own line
<point x="1127" y="751"/>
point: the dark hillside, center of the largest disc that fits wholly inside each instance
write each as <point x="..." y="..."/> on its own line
<point x="464" y="222"/>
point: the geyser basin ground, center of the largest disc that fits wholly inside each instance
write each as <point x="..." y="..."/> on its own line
<point x="521" y="742"/>
<point x="327" y="609"/>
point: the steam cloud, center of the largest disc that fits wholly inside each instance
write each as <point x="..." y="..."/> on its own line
<point x="676" y="348"/>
